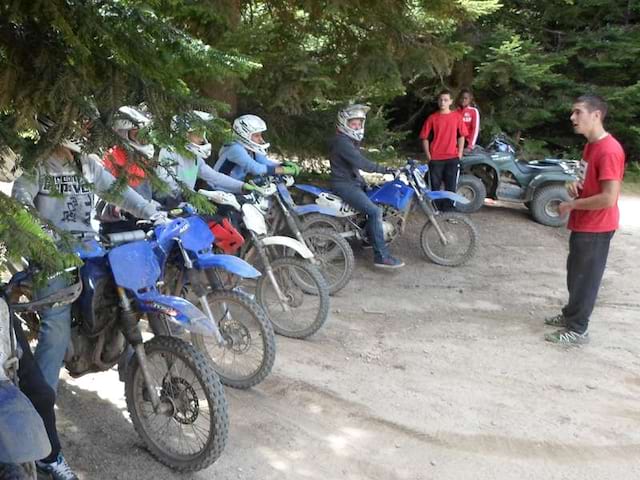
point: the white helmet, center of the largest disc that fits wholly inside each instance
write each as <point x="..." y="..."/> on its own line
<point x="130" y="118"/>
<point x="349" y="113"/>
<point x="45" y="124"/>
<point x="202" y="150"/>
<point x="247" y="125"/>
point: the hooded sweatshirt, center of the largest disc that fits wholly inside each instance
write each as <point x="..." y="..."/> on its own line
<point x="176" y="166"/>
<point x="62" y="196"/>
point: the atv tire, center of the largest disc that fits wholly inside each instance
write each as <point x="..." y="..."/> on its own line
<point x="544" y="206"/>
<point x="473" y="189"/>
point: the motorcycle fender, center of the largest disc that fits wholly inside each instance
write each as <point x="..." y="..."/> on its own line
<point x="442" y="194"/>
<point x="23" y="437"/>
<point x="231" y="264"/>
<point x="289" y="242"/>
<point x="313" y="208"/>
<point x="467" y="163"/>
<point x="179" y="311"/>
<point x="545" y="179"/>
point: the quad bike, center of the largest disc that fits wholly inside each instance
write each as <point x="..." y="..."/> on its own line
<point x="496" y="173"/>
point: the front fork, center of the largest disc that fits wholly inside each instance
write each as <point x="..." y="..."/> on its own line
<point x="131" y="331"/>
<point x="294" y="226"/>
<point x="264" y="257"/>
<point x="200" y="290"/>
<point x="431" y="215"/>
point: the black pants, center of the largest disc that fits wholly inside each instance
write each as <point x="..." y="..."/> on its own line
<point x="586" y="262"/>
<point x="444" y="171"/>
<point x="38" y="391"/>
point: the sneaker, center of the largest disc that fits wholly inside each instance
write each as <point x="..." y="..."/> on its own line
<point x="556" y="321"/>
<point x="388" y="262"/>
<point x="58" y="470"/>
<point x="567" y="337"/>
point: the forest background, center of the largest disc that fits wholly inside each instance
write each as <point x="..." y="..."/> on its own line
<point x="295" y="63"/>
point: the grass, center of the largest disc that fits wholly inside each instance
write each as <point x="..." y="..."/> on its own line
<point x="631" y="184"/>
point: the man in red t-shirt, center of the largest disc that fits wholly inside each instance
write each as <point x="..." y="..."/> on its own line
<point x="442" y="138"/>
<point x="593" y="219"/>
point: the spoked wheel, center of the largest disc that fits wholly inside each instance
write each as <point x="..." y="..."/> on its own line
<point x="298" y="303"/>
<point x="461" y="240"/>
<point x="250" y="350"/>
<point x="334" y="256"/>
<point x="189" y="430"/>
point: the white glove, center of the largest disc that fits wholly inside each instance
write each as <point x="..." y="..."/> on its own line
<point x="160" y="218"/>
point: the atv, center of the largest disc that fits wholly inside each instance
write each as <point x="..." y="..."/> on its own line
<point x="496" y="173"/>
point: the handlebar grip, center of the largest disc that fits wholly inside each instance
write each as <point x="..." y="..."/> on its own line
<point x="126" y="237"/>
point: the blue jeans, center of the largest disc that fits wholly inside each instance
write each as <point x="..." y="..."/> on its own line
<point x="355" y="196"/>
<point x="55" y="334"/>
<point x="586" y="262"/>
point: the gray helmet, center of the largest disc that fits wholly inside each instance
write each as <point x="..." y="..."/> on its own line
<point x="349" y="113"/>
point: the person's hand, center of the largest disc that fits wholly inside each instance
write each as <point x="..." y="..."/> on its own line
<point x="252" y="187"/>
<point x="566" y="207"/>
<point x="428" y="158"/>
<point x="290" y="168"/>
<point x="574" y="188"/>
<point x="160" y="218"/>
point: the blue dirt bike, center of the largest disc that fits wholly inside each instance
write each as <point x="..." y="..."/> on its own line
<point x="447" y="238"/>
<point x="23" y="438"/>
<point x="174" y="397"/>
<point x="242" y="347"/>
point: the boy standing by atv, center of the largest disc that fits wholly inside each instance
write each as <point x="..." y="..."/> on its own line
<point x="593" y="219"/>
<point x="442" y="138"/>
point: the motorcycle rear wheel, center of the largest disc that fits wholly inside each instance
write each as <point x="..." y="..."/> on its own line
<point x="306" y="297"/>
<point x="250" y="352"/>
<point x="192" y="393"/>
<point x="460" y="233"/>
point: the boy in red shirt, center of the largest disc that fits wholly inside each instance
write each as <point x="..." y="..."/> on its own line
<point x="470" y="117"/>
<point x="442" y="138"/>
<point x="593" y="219"/>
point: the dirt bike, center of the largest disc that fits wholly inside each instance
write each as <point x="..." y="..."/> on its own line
<point x="243" y="345"/>
<point x="332" y="254"/>
<point x="447" y="238"/>
<point x="292" y="291"/>
<point x="23" y="438"/>
<point x="174" y="397"/>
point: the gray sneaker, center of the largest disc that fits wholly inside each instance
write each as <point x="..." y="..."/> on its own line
<point x="567" y="337"/>
<point x="556" y="321"/>
<point x="58" y="470"/>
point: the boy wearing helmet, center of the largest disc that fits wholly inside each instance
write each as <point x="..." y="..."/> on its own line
<point x="187" y="164"/>
<point x="248" y="153"/>
<point x="58" y="189"/>
<point x="346" y="161"/>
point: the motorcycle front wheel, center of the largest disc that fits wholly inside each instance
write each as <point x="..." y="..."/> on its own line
<point x="461" y="239"/>
<point x="334" y="255"/>
<point x="189" y="431"/>
<point x="250" y="349"/>
<point x="304" y="308"/>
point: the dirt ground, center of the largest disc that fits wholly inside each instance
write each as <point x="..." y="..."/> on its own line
<point x="429" y="373"/>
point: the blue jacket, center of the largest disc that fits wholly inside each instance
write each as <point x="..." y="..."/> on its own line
<point x="237" y="162"/>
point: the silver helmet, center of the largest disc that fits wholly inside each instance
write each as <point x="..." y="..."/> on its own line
<point x="245" y="126"/>
<point x="349" y="113"/>
<point x="133" y="118"/>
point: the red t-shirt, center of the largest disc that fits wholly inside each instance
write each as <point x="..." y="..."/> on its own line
<point x="471" y="119"/>
<point x="446" y="127"/>
<point x="601" y="160"/>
